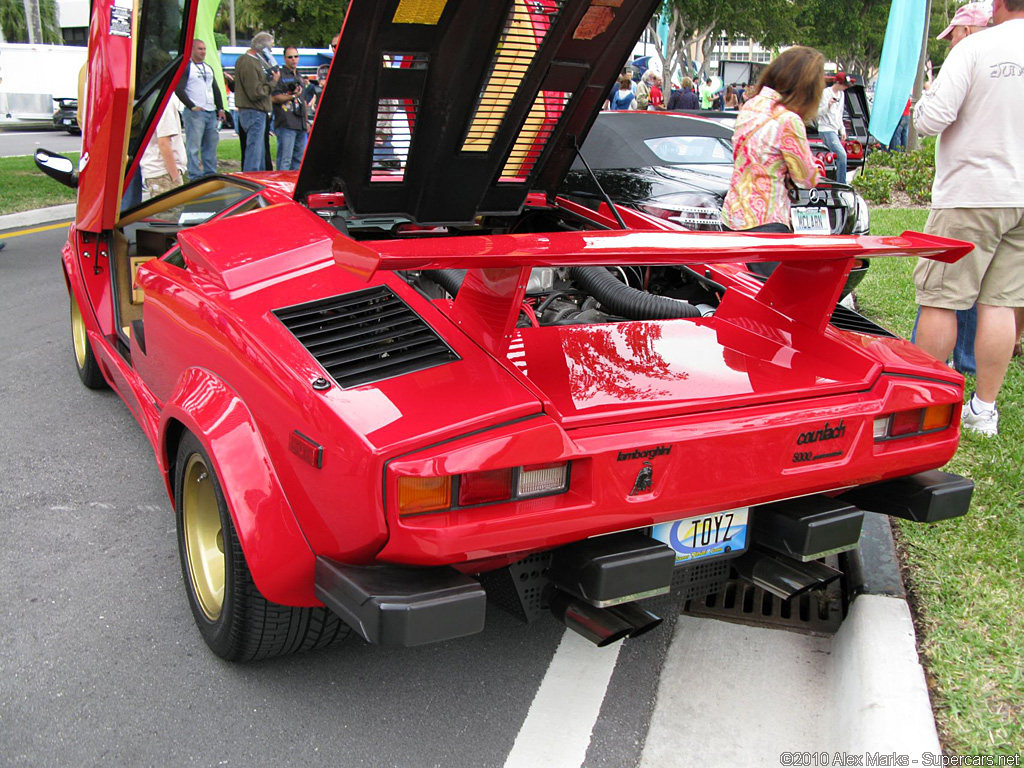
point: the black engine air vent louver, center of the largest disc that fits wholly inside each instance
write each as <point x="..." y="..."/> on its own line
<point x="847" y="320"/>
<point x="365" y="336"/>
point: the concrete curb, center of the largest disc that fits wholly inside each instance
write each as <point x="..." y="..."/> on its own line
<point x="39" y="216"/>
<point x="879" y="697"/>
<point x="881" y="700"/>
<point x="860" y="692"/>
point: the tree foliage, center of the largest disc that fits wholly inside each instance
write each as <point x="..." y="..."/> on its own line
<point x="12" y="21"/>
<point x="303" y="23"/>
<point x="849" y="32"/>
<point x="697" y="25"/>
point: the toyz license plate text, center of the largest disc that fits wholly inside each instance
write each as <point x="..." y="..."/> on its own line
<point x="701" y="538"/>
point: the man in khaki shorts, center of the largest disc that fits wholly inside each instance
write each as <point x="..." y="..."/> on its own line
<point x="977" y="104"/>
<point x="164" y="159"/>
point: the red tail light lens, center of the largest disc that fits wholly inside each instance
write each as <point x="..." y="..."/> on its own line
<point x="485" y="487"/>
<point x="905" y="423"/>
<point x="661" y="213"/>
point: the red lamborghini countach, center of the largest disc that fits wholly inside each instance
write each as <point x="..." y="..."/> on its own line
<point x="409" y="377"/>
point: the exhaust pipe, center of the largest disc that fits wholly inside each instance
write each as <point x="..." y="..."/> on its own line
<point x="783" y="576"/>
<point x="639" y="619"/>
<point x="601" y="626"/>
<point x="596" y="624"/>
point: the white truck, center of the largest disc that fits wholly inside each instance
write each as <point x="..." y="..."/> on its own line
<point x="33" y="77"/>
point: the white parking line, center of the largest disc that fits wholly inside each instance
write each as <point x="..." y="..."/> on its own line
<point x="557" y="729"/>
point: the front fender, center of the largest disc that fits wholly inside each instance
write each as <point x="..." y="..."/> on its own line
<point x="278" y="554"/>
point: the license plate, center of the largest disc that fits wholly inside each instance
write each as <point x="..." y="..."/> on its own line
<point x="701" y="538"/>
<point x="811" y="221"/>
<point x="66" y="121"/>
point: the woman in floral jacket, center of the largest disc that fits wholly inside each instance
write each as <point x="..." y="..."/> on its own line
<point x="770" y="150"/>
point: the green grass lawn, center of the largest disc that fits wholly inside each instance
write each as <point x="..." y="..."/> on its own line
<point x="23" y="187"/>
<point x="965" y="576"/>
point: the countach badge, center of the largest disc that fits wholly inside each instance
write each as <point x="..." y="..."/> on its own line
<point x="828" y="432"/>
<point x="806" y="441"/>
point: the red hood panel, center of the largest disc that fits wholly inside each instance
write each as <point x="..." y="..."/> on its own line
<point x="641" y="370"/>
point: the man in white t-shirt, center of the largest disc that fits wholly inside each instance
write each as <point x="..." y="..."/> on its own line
<point x="164" y="161"/>
<point x="830" y="120"/>
<point x="199" y="91"/>
<point x="977" y="104"/>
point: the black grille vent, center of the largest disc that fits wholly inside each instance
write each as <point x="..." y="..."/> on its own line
<point x="848" y="320"/>
<point x="365" y="336"/>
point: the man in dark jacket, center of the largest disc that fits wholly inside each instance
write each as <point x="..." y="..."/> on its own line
<point x="291" y="113"/>
<point x="199" y="91"/>
<point x="254" y="78"/>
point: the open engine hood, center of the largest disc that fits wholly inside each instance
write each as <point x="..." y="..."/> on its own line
<point x="443" y="110"/>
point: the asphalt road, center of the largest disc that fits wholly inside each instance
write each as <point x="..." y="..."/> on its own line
<point x="100" y="663"/>
<point x="26" y="142"/>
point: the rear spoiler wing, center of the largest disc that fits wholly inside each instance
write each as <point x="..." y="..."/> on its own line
<point x="805" y="287"/>
<point x="618" y="247"/>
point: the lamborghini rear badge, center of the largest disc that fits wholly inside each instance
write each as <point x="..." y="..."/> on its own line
<point x="644" y="480"/>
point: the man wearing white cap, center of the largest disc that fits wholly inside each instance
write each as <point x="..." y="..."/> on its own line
<point x="977" y="104"/>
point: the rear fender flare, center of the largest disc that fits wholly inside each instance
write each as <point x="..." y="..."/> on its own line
<point x="275" y="548"/>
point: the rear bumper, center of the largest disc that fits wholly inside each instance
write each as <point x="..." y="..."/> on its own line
<point x="401" y="606"/>
<point x="698" y="464"/>
<point x="927" y="497"/>
<point x="395" y="606"/>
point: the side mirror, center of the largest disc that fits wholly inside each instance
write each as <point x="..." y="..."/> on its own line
<point x="57" y="167"/>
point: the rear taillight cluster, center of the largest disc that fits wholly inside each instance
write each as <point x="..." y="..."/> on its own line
<point x="917" y="421"/>
<point x="828" y="158"/>
<point x="699" y="217"/>
<point x="854" y="150"/>
<point x="421" y="495"/>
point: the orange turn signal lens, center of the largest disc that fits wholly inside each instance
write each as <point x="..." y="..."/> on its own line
<point x="424" y="494"/>
<point x="937" y="417"/>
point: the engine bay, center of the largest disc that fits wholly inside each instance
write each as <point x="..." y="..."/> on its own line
<point x="554" y="295"/>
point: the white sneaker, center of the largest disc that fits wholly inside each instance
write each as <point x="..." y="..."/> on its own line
<point x="984" y="423"/>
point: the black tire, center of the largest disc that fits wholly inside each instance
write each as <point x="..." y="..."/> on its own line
<point x="235" y="620"/>
<point x="85" y="361"/>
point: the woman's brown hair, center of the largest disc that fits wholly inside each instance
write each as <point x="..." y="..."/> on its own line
<point x="798" y="76"/>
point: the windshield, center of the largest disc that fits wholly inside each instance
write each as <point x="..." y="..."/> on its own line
<point x="691" y="150"/>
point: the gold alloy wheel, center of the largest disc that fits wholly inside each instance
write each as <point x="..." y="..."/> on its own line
<point x="204" y="537"/>
<point x="78" y="335"/>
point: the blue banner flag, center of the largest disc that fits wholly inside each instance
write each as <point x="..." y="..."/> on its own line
<point x="901" y="54"/>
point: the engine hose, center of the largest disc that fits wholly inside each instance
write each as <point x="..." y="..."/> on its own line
<point x="618" y="298"/>
<point x="449" y="279"/>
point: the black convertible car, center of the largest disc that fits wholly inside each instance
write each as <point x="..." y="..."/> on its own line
<point x="677" y="167"/>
